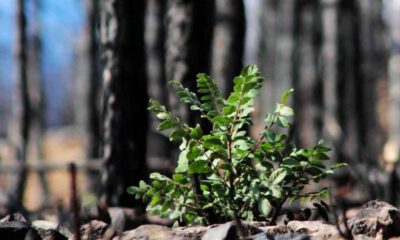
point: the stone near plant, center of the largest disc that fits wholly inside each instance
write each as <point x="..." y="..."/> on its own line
<point x="275" y="230"/>
<point x="50" y="230"/>
<point x="314" y="229"/>
<point x="13" y="217"/>
<point x="192" y="232"/>
<point x="150" y="232"/>
<point x="93" y="230"/>
<point x="376" y="219"/>
<point x="220" y="232"/>
<point x="16" y="230"/>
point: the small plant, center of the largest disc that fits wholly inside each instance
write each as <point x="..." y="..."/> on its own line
<point x="224" y="174"/>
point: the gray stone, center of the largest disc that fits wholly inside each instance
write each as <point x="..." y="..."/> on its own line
<point x="259" y="236"/>
<point x="275" y="230"/>
<point x="376" y="219"/>
<point x="192" y="232"/>
<point x="14" y="230"/>
<point x="93" y="230"/>
<point x="150" y="232"/>
<point x="314" y="229"/>
<point x="50" y="230"/>
<point x="293" y="236"/>
<point x="13" y="217"/>
<point x="226" y="231"/>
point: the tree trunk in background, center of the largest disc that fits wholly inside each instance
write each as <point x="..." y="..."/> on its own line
<point x="349" y="82"/>
<point x="373" y="65"/>
<point x="159" y="147"/>
<point x="228" y="43"/>
<point x="92" y="119"/>
<point x="125" y="99"/>
<point x="267" y="54"/>
<point x="284" y="47"/>
<point x="188" y="46"/>
<point x="307" y="97"/>
<point x="393" y="23"/>
<point x="329" y="74"/>
<point x="21" y="108"/>
<point x="37" y="99"/>
<point x="277" y="41"/>
<point x="392" y="147"/>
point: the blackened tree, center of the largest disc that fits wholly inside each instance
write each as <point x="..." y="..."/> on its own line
<point x="125" y="99"/>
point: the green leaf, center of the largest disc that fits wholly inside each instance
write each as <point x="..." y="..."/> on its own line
<point x="178" y="178"/>
<point x="339" y="165"/>
<point x="276" y="191"/>
<point x="228" y="110"/>
<point x="142" y="185"/>
<point x="286" y="95"/>
<point x="282" y="122"/>
<point x="199" y="166"/>
<point x="221" y="120"/>
<point x="313" y="171"/>
<point x="166" y="205"/>
<point x="133" y="190"/>
<point x="212" y="142"/>
<point x="290" y="162"/>
<point x="183" y="162"/>
<point x="286" y="111"/>
<point x="321" y="156"/>
<point x="155" y="199"/>
<point x="175" y="215"/>
<point x="196" y="132"/>
<point x="270" y="118"/>
<point x="277" y="176"/>
<point x="212" y="100"/>
<point x="316" y="163"/>
<point x="158" y="176"/>
<point x="190" y="217"/>
<point x="271" y="136"/>
<point x="166" y="124"/>
<point x="322" y="149"/>
<point x="176" y="135"/>
<point x="186" y="96"/>
<point x="264" y="206"/>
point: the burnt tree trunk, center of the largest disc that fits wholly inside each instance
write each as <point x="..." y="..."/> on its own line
<point x="92" y="119"/>
<point x="392" y="147"/>
<point x="125" y="99"/>
<point x="228" y="43"/>
<point x="393" y="22"/>
<point x="158" y="151"/>
<point x="21" y="107"/>
<point x="329" y="73"/>
<point x="306" y="79"/>
<point x="372" y="66"/>
<point x="36" y="92"/>
<point x="188" y="45"/>
<point x="276" y="50"/>
<point x="349" y="78"/>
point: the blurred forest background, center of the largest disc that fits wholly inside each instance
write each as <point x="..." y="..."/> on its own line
<point x="76" y="76"/>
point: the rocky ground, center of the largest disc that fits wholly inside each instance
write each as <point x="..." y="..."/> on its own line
<point x="374" y="220"/>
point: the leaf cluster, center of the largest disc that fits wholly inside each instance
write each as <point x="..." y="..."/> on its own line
<point x="225" y="174"/>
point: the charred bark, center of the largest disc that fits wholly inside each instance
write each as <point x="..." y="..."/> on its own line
<point x="37" y="99"/>
<point x="188" y="45"/>
<point x="158" y="151"/>
<point x="228" y="43"/>
<point x="21" y="107"/>
<point x="125" y="99"/>
<point x="306" y="79"/>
